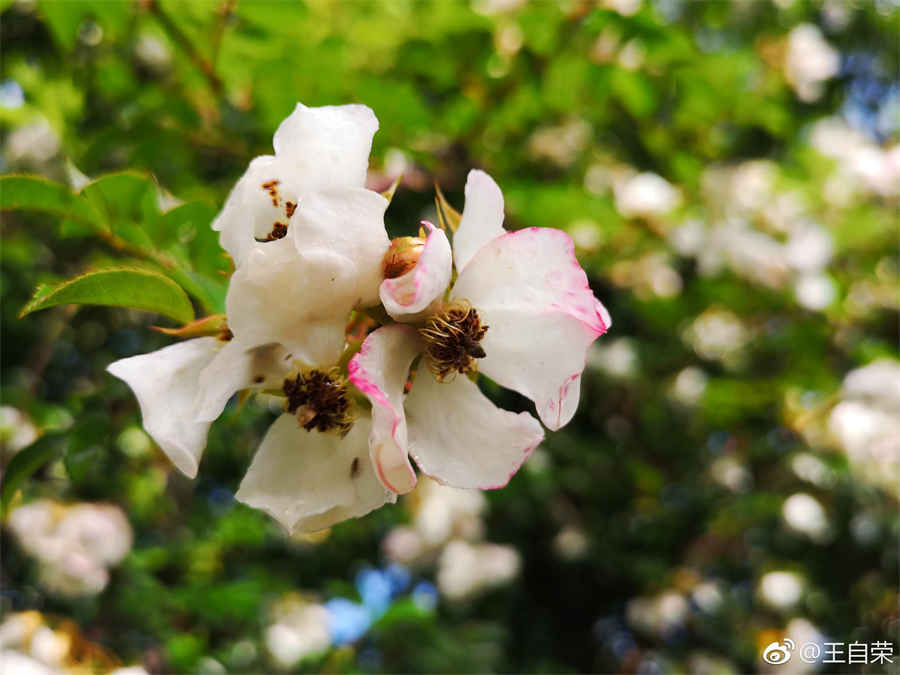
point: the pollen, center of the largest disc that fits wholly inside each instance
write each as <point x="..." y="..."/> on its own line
<point x="320" y="400"/>
<point x="279" y="231"/>
<point x="272" y="188"/>
<point x="453" y="340"/>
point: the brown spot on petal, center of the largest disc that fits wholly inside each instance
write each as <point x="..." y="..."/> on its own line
<point x="354" y="468"/>
<point x="289" y="208"/>
<point x="272" y="188"/>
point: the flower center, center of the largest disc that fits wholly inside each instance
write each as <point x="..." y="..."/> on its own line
<point x="453" y="340"/>
<point x="320" y="400"/>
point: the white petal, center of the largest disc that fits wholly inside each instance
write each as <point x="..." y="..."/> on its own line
<point x="251" y="210"/>
<point x="482" y="218"/>
<point x="349" y="222"/>
<point x="408" y="296"/>
<point x="238" y="367"/>
<point x="298" y="299"/>
<point x="308" y="480"/>
<point x="165" y="384"/>
<point x="329" y="146"/>
<point x="459" y="437"/>
<point x="542" y="316"/>
<point x="379" y="371"/>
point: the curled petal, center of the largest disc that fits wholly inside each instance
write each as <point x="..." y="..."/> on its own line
<point x="298" y="299"/>
<point x="261" y="199"/>
<point x="329" y="146"/>
<point x="460" y="438"/>
<point x="482" y="218"/>
<point x="542" y="316"/>
<point x="308" y="480"/>
<point x="408" y="296"/>
<point x="380" y="371"/>
<point x="165" y="384"/>
<point x="237" y="367"/>
<point x="349" y="221"/>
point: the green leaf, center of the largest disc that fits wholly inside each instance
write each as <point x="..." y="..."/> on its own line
<point x="25" y="463"/>
<point x="117" y="287"/>
<point x="127" y="202"/>
<point x="34" y="193"/>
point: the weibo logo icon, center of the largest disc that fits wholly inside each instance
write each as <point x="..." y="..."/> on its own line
<point x="777" y="652"/>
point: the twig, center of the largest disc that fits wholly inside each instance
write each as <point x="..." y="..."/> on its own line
<point x="185" y="43"/>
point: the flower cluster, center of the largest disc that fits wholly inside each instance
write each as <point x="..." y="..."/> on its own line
<point x="314" y="274"/>
<point x="76" y="545"/>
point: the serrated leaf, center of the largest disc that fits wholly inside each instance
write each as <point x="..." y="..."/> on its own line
<point x="34" y="193"/>
<point x="25" y="463"/>
<point x="117" y="287"/>
<point x="127" y="202"/>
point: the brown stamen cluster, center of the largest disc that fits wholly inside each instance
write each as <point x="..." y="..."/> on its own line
<point x="320" y="400"/>
<point x="452" y="340"/>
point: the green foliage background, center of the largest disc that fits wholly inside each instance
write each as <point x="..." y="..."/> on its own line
<point x="455" y="89"/>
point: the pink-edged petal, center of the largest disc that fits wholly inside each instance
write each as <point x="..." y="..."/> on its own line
<point x="380" y="371"/>
<point x="542" y="316"/>
<point x="165" y="384"/>
<point x="482" y="217"/>
<point x="298" y="299"/>
<point x="460" y="438"/>
<point x="308" y="480"/>
<point x="349" y="222"/>
<point x="408" y="296"/>
<point x="238" y="367"/>
<point x="328" y="146"/>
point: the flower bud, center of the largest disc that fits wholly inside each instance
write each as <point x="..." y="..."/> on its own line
<point x="402" y="256"/>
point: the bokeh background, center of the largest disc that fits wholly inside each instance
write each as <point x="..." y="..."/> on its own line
<point x="730" y="174"/>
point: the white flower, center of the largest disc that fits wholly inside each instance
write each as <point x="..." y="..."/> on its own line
<point x="300" y="630"/>
<point x="781" y="589"/>
<point x="74" y="545"/>
<point x="306" y="479"/>
<point x="308" y="241"/>
<point x="521" y="305"/>
<point x="804" y="514"/>
<point x="810" y="62"/>
<point x="646" y="194"/>
<point x="466" y="569"/>
<point x="306" y="237"/>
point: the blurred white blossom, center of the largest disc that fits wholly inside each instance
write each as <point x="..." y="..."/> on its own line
<point x="646" y="195"/>
<point x="810" y="62"/>
<point x="75" y="546"/>
<point x="32" y="145"/>
<point x="16" y="430"/>
<point x="657" y="615"/>
<point x="299" y="629"/>
<point x="561" y="144"/>
<point x="804" y="514"/>
<point x="618" y="357"/>
<point x="781" y="589"/>
<point x="866" y="423"/>
<point x="467" y="569"/>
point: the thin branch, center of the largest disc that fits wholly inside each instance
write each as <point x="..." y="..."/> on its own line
<point x="185" y="44"/>
<point x="225" y="11"/>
